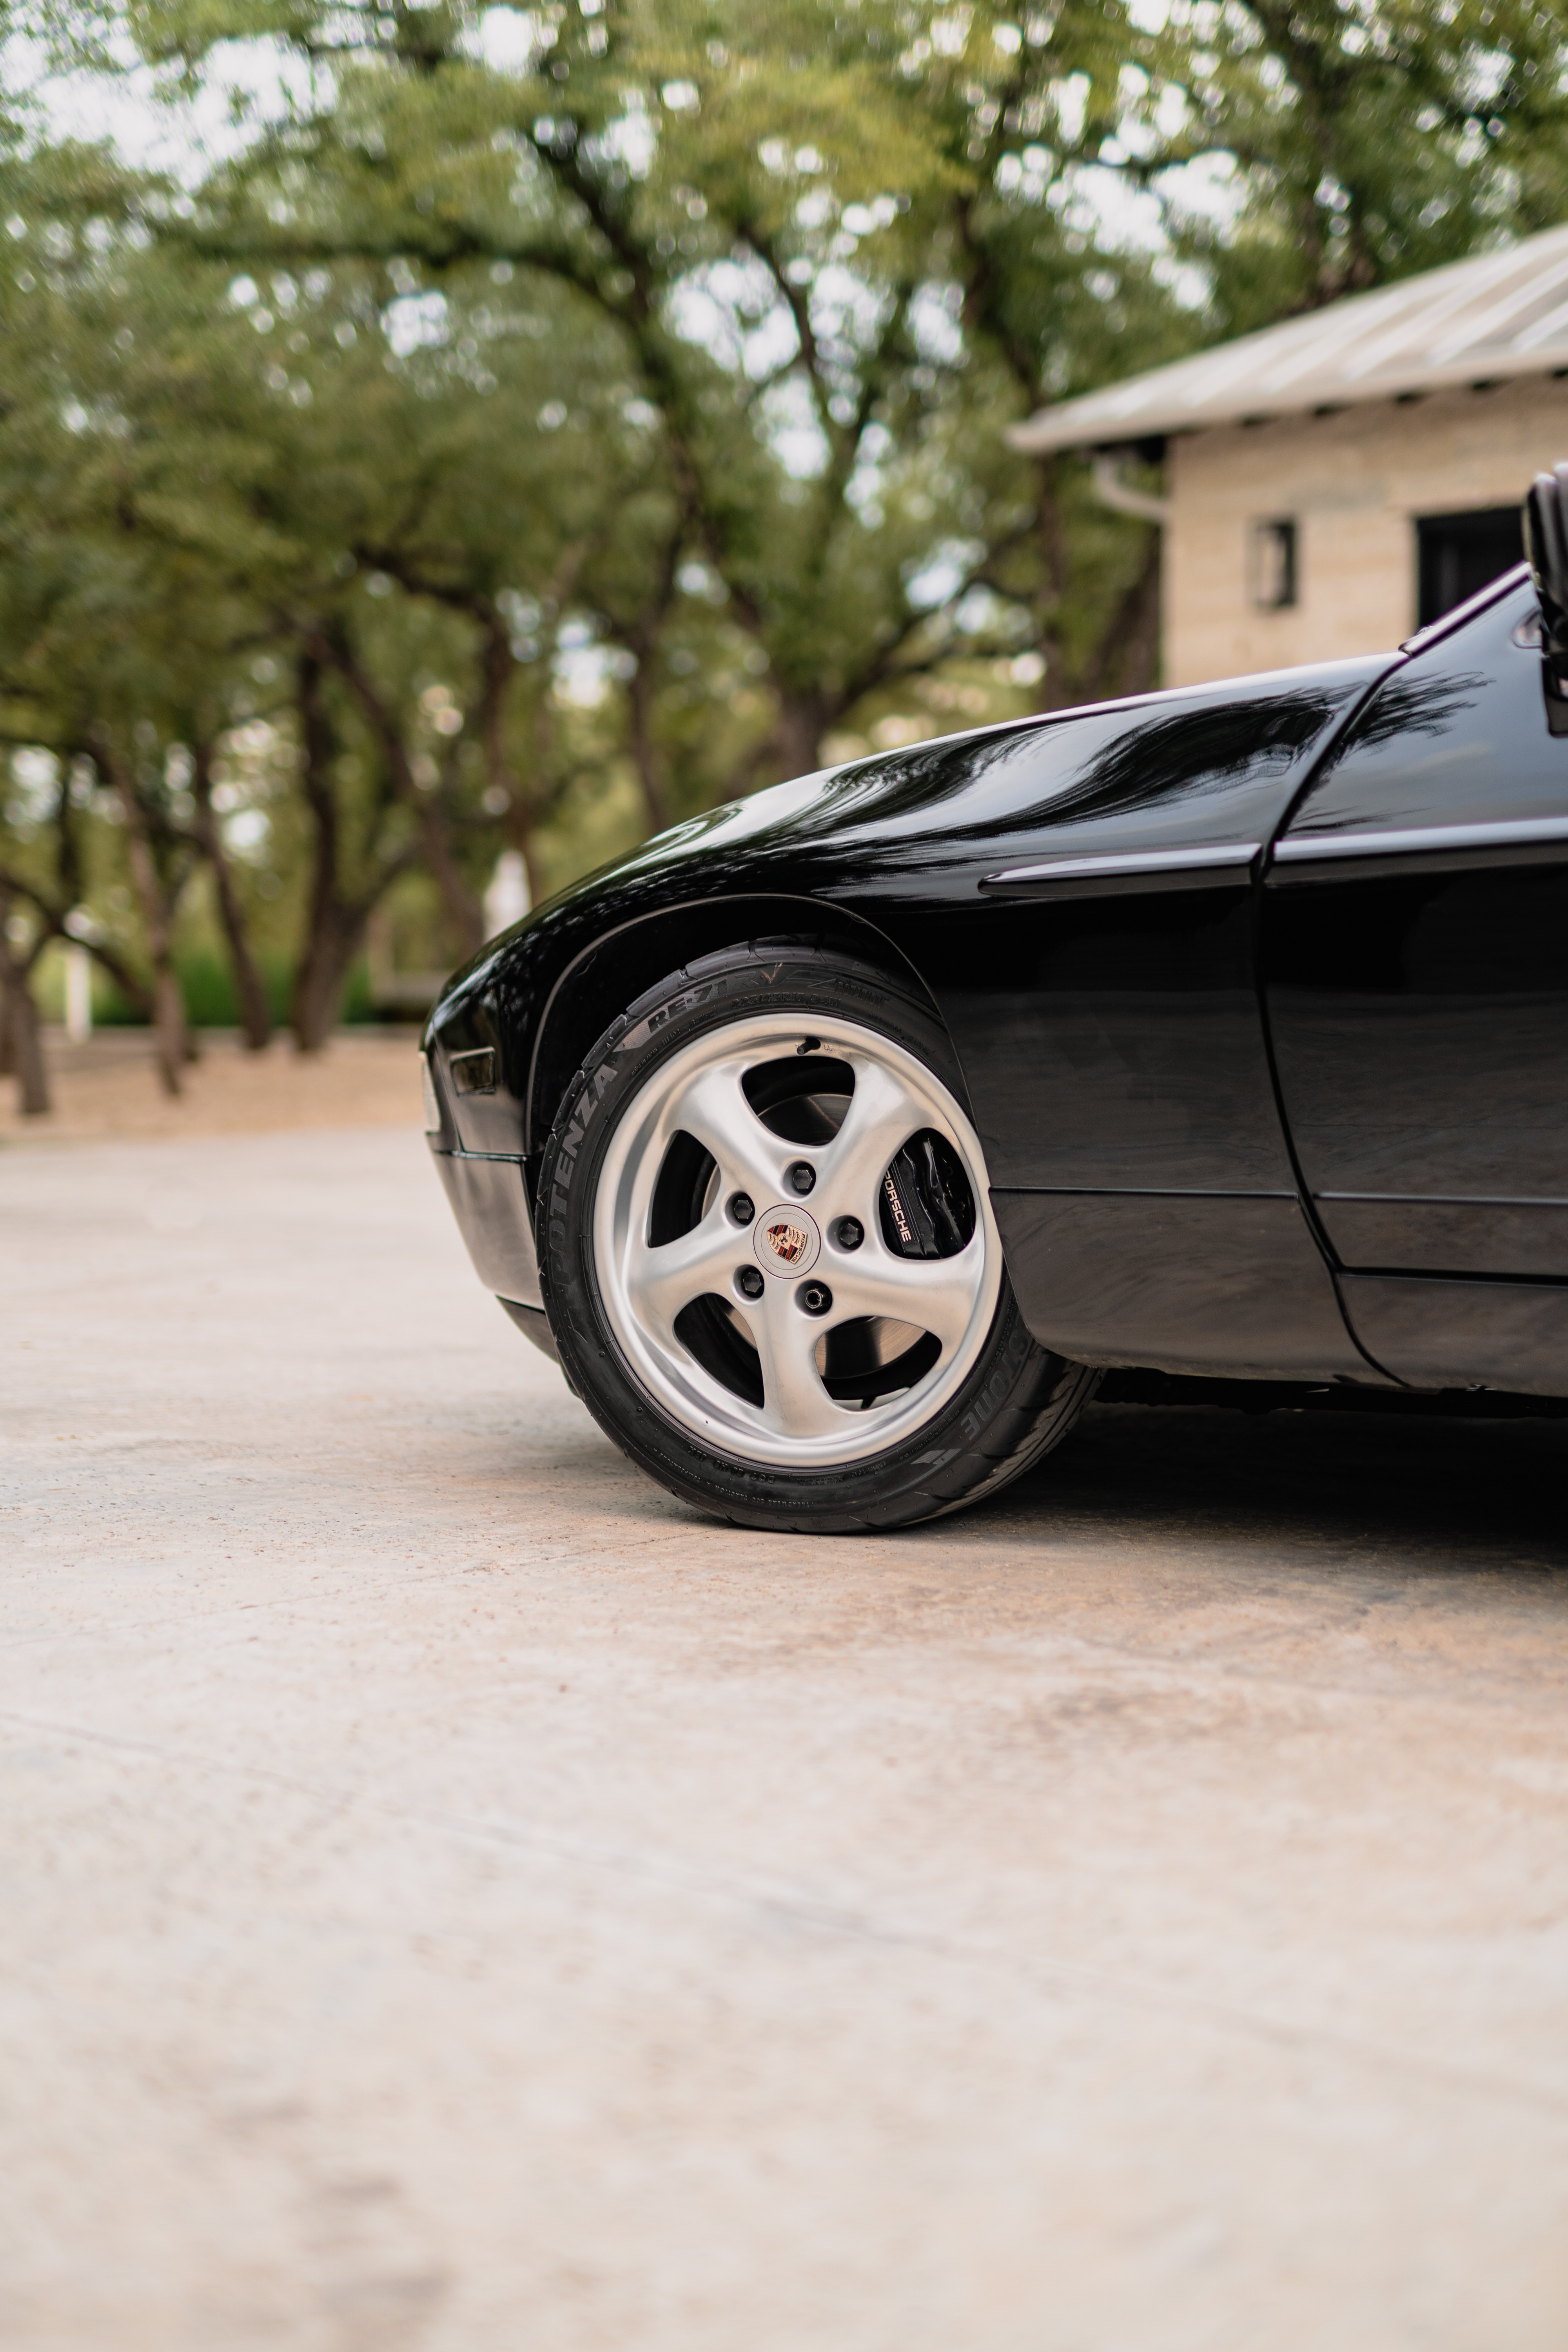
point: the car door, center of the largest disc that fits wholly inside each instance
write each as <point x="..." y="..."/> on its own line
<point x="1416" y="962"/>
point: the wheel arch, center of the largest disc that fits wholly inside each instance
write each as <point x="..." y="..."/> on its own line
<point x="614" y="969"/>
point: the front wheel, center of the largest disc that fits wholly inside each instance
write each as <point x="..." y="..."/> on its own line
<point x="769" y="1255"/>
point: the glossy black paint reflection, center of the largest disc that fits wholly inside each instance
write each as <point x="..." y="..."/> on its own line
<point x="488" y="1122"/>
<point x="1527" y="1240"/>
<point x="1502" y="1335"/>
<point x="1110" y="1043"/>
<point x="1422" y="1031"/>
<point x="1459" y="733"/>
<point x="1153" y="775"/>
<point x="1419" y="1016"/>
<point x="1173" y="773"/>
<point x="894" y="840"/>
<point x="1114" y="1039"/>
<point x="1183" y="1283"/>
<point x="488" y="1202"/>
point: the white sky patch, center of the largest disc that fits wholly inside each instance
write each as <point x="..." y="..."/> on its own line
<point x="506" y="38"/>
<point x="866" y="484"/>
<point x="844" y="308"/>
<point x="771" y="341"/>
<point x="183" y="137"/>
<point x="708" y="309"/>
<point x="34" y="776"/>
<point x="416" y="322"/>
<point x="698" y="579"/>
<point x="1072" y="105"/>
<point x="981" y="613"/>
<point x="246" y="830"/>
<point x="1209" y="188"/>
<point x="632" y="139"/>
<point x="942" y="574"/>
<point x="935" y="328"/>
<point x="789" y="421"/>
<point x="1188" y="282"/>
<point x="1109" y="209"/>
<point x="155" y="131"/>
<point x="583" y="668"/>
<point x="733" y="310"/>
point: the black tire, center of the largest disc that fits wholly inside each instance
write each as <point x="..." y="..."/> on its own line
<point x="1017" y="1400"/>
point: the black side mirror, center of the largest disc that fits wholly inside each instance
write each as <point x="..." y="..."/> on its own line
<point x="1546" y="548"/>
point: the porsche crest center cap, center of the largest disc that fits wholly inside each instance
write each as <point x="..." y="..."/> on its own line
<point x="786" y="1240"/>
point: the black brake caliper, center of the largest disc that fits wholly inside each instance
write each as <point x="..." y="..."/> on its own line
<point x="928" y="1209"/>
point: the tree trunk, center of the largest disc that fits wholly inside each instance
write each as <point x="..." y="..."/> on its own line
<point x="803" y="720"/>
<point x="32" y="1079"/>
<point x="1060" y="689"/>
<point x="336" y="935"/>
<point x="120" y="973"/>
<point x="645" y="756"/>
<point x="324" y="961"/>
<point x="641" y="638"/>
<point x="532" y="810"/>
<point x="255" y="1017"/>
<point x="1127" y="658"/>
<point x="498" y="667"/>
<point x="169" y="1024"/>
<point x="24" y="1048"/>
<point x="520" y="837"/>
<point x="464" y="906"/>
<point x="335" y="923"/>
<point x="463" y="903"/>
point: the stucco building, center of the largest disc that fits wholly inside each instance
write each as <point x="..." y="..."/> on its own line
<point x="1332" y="483"/>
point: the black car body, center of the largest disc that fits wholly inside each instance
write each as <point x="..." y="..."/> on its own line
<point x="1259" y="990"/>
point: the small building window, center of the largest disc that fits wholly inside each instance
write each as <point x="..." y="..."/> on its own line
<point x="1271" y="563"/>
<point x="1457" y="553"/>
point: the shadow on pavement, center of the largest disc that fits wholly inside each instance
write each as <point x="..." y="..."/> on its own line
<point x="1470" y="1493"/>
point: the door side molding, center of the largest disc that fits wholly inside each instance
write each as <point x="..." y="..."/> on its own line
<point x="1138" y="869"/>
<point x="1428" y="848"/>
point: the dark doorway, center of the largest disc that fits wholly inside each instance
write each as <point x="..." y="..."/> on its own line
<point x="1460" y="552"/>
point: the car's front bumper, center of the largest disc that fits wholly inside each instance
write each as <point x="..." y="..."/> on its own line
<point x="490" y="1204"/>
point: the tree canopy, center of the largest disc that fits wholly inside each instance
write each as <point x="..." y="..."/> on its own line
<point x="538" y="424"/>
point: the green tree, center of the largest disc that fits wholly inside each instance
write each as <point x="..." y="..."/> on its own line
<point x="206" y="480"/>
<point x="529" y="454"/>
<point x="839" y="247"/>
<point x="1348" y="145"/>
<point x="834" y="254"/>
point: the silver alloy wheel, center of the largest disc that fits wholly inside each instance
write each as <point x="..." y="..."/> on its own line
<point x="648" y="1289"/>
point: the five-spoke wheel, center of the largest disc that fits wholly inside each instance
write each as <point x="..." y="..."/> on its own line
<point x="769" y="1255"/>
<point x="774" y="1261"/>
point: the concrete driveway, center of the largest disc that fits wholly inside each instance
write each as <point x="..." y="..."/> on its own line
<point x="451" y="1896"/>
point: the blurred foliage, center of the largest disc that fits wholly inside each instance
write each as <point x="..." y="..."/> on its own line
<point x="542" y="424"/>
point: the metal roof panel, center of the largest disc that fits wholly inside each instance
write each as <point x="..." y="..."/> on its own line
<point x="1496" y="314"/>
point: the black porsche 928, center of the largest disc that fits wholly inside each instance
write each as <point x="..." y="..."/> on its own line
<point x="838" y="1141"/>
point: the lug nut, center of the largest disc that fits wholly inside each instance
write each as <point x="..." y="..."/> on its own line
<point x="848" y="1233"/>
<point x="814" y="1296"/>
<point x="801" y="1176"/>
<point x="742" y="1208"/>
<point x="748" y="1282"/>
